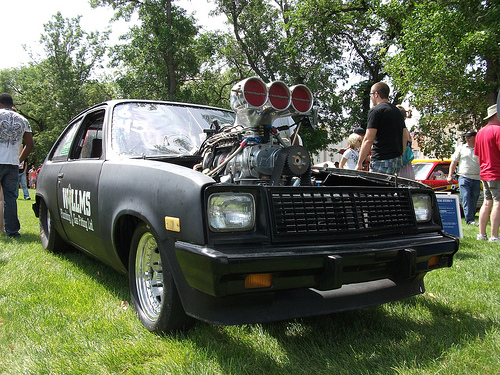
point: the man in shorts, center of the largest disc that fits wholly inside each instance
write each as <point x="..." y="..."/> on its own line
<point x="384" y="134"/>
<point x="487" y="150"/>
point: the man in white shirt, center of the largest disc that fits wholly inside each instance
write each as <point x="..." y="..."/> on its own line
<point x="14" y="129"/>
<point x="469" y="181"/>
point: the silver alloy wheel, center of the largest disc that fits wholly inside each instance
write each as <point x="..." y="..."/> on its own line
<point x="149" y="276"/>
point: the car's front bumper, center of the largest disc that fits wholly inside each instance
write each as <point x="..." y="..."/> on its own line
<point x="222" y="272"/>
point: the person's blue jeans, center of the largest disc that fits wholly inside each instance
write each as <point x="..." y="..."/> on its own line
<point x="469" y="192"/>
<point x="9" y="175"/>
<point x="24" y="185"/>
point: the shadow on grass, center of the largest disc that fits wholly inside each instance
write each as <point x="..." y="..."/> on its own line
<point x="413" y="333"/>
<point x="115" y="282"/>
<point x="26" y="237"/>
<point x="365" y="341"/>
<point x="465" y="255"/>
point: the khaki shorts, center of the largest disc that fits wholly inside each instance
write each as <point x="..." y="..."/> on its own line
<point x="492" y="190"/>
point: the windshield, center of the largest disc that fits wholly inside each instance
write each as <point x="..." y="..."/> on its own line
<point x="421" y="170"/>
<point x="156" y="129"/>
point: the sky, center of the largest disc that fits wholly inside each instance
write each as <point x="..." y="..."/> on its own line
<point x="22" y="23"/>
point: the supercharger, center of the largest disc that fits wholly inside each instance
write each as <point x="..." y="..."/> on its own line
<point x="252" y="150"/>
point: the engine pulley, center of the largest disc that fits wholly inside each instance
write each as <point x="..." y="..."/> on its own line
<point x="297" y="161"/>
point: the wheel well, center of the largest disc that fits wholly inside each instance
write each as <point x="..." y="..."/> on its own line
<point x="36" y="206"/>
<point x="124" y="231"/>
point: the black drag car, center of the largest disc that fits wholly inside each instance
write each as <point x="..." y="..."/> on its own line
<point x="218" y="215"/>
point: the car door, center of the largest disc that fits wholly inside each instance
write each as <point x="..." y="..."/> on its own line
<point x="78" y="183"/>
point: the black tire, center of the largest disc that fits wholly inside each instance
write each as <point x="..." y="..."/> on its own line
<point x="50" y="238"/>
<point x="152" y="288"/>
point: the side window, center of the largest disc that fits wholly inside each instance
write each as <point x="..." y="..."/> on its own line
<point x="63" y="148"/>
<point x="440" y="172"/>
<point x="88" y="143"/>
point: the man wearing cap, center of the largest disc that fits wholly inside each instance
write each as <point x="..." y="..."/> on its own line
<point x="469" y="181"/>
<point x="359" y="131"/>
<point x="488" y="152"/>
<point x="14" y="129"/>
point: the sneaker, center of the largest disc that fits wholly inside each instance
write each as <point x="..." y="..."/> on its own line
<point x="27" y="198"/>
<point x="475" y="223"/>
<point x="481" y="237"/>
<point x="14" y="235"/>
<point x="494" y="239"/>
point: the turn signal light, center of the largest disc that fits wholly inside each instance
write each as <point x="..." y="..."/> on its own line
<point x="259" y="280"/>
<point x="172" y="223"/>
<point x="433" y="261"/>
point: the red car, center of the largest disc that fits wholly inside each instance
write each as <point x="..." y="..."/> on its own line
<point x="433" y="172"/>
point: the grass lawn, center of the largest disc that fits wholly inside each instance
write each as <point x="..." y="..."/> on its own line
<point x="68" y="314"/>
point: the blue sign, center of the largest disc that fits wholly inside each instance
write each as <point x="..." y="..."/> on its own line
<point x="449" y="208"/>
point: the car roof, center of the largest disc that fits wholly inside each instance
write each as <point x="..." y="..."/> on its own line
<point x="432" y="161"/>
<point x="112" y="103"/>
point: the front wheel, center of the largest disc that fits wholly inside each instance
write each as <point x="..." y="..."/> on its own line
<point x="154" y="294"/>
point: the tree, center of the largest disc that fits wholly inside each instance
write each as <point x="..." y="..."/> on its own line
<point x="271" y="44"/>
<point x="158" y="54"/>
<point x="72" y="55"/>
<point x="447" y="59"/>
<point x="338" y="48"/>
<point x="324" y="44"/>
<point x="51" y="91"/>
<point x="356" y="35"/>
<point x="222" y="66"/>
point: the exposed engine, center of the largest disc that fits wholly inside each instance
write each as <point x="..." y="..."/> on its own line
<point x="251" y="151"/>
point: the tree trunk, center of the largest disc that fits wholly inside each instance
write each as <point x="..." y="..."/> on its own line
<point x="172" y="87"/>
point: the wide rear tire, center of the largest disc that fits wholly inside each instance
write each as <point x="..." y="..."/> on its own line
<point x="50" y="238"/>
<point x="152" y="288"/>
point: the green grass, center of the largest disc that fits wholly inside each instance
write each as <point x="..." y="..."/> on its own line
<point x="68" y="314"/>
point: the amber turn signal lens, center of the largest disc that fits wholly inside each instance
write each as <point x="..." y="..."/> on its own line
<point x="258" y="280"/>
<point x="433" y="261"/>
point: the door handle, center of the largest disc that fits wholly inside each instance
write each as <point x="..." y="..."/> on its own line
<point x="60" y="176"/>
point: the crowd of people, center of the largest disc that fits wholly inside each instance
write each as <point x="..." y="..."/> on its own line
<point x="386" y="146"/>
<point x="478" y="161"/>
<point x="382" y="147"/>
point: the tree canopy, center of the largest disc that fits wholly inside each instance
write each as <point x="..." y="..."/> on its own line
<point x="441" y="56"/>
<point x="50" y="91"/>
<point x="447" y="61"/>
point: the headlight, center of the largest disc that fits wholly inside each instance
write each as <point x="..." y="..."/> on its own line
<point x="231" y="212"/>
<point x="423" y="207"/>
